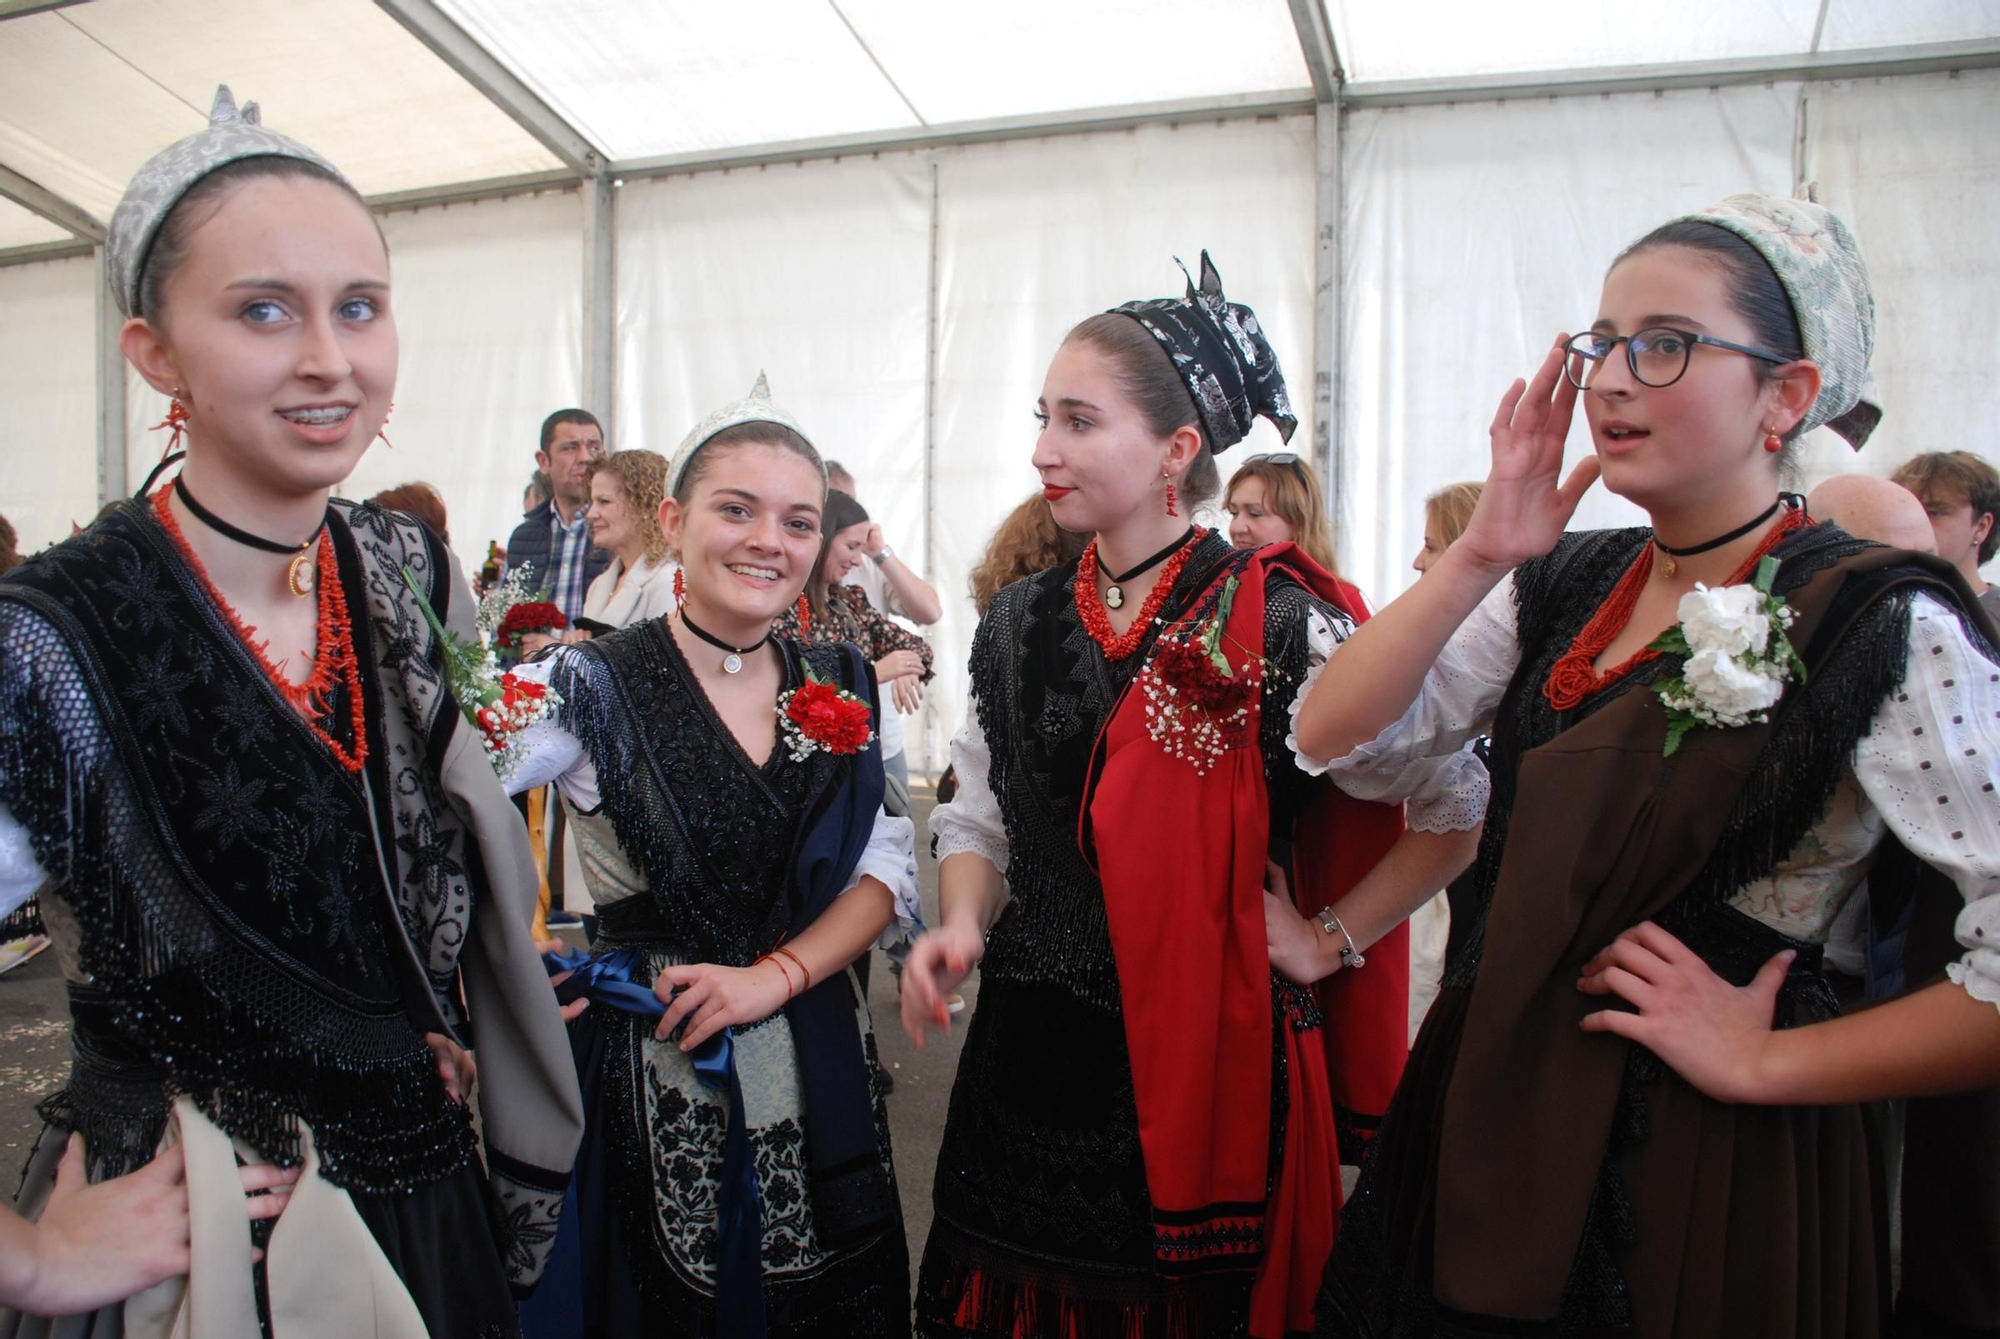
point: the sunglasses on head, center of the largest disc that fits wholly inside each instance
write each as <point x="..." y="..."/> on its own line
<point x="1281" y="458"/>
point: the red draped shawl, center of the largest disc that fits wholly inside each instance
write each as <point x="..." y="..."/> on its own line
<point x="1182" y="859"/>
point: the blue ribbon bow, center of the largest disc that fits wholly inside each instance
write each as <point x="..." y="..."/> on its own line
<point x="618" y="979"/>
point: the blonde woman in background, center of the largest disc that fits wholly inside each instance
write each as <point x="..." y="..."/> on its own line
<point x="1445" y="514"/>
<point x="1275" y="499"/>
<point x="626" y="489"/>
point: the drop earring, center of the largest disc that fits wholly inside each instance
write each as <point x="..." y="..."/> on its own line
<point x="1173" y="496"/>
<point x="383" y="431"/>
<point x="1773" y="443"/>
<point x="680" y="587"/>
<point x="176" y="419"/>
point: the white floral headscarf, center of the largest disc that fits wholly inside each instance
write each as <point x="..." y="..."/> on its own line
<point x="1819" y="264"/>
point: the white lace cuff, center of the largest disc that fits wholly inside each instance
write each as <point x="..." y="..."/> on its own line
<point x="1980" y="985"/>
<point x="1979" y="970"/>
<point x="972" y="821"/>
<point x="1308" y="764"/>
<point x="952" y="840"/>
<point x="1456" y="798"/>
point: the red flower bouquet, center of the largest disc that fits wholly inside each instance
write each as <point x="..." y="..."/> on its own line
<point x="1197" y="703"/>
<point x="528" y="616"/>
<point x="817" y="717"/>
<point x="498" y="703"/>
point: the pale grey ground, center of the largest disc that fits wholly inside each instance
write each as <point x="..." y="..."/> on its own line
<point x="34" y="1062"/>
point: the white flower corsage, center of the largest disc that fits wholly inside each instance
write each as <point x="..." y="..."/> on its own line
<point x="1737" y="656"/>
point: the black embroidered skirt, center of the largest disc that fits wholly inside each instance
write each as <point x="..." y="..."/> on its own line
<point x="1043" y="1223"/>
<point x="636" y="1251"/>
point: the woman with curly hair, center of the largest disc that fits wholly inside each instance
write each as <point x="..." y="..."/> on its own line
<point x="626" y="490"/>
<point x="1026" y="542"/>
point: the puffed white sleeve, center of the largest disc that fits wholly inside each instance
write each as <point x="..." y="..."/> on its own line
<point x="1931" y="767"/>
<point x="547" y="754"/>
<point x="20" y="873"/>
<point x="1425" y="757"/>
<point x="891" y="856"/>
<point x="971" y="822"/>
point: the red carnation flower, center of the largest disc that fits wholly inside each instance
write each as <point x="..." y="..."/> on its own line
<point x="1185" y="666"/>
<point x="836" y="722"/>
<point x="533" y="616"/>
<point x="514" y="691"/>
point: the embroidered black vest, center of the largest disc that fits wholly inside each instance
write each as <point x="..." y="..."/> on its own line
<point x="227" y="874"/>
<point x="714" y="832"/>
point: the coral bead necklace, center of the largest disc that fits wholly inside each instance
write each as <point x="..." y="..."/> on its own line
<point x="1574" y="677"/>
<point x="334" y="642"/>
<point x="1090" y="605"/>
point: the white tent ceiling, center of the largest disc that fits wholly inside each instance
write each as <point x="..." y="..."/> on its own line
<point x="89" y="88"/>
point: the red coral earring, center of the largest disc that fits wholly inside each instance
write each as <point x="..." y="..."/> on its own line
<point x="176" y="419"/>
<point x="680" y="587"/>
<point x="1173" y="496"/>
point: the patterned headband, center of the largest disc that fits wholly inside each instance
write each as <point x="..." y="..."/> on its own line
<point x="155" y="189"/>
<point x="757" y="407"/>
<point x="1220" y="351"/>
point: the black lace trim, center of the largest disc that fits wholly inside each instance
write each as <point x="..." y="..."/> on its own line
<point x="118" y="1103"/>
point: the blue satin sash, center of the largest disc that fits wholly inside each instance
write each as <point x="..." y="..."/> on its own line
<point x="618" y="979"/>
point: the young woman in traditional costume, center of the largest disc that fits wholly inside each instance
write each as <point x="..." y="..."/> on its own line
<point x="727" y="790"/>
<point x="277" y="859"/>
<point x="1709" y="805"/>
<point x="1141" y="1139"/>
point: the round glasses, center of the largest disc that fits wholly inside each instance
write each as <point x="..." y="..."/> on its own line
<point x="1657" y="355"/>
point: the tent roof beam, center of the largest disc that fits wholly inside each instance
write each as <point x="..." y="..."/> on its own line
<point x="1317" y="45"/>
<point x="1235" y="106"/>
<point x="476" y="65"/>
<point x="1866" y="63"/>
<point x="39" y="199"/>
<point x="40" y="251"/>
<point x="16" y="9"/>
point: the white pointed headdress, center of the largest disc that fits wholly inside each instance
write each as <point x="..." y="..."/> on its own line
<point x="756" y="407"/>
<point x="155" y="189"/>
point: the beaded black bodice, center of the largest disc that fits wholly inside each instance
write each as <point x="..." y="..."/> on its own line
<point x="1045" y="691"/>
<point x="712" y="831"/>
<point x="229" y="880"/>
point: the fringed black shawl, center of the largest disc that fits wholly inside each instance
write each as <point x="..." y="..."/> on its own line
<point x="236" y="920"/>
